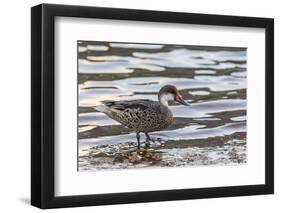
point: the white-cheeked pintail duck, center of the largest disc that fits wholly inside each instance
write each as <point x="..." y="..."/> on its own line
<point x="144" y="115"/>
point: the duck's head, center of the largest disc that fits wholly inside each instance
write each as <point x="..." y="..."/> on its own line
<point x="170" y="93"/>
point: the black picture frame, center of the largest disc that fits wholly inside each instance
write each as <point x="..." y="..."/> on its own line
<point x="43" y="105"/>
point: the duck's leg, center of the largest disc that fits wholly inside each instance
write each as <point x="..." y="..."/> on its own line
<point x="138" y="139"/>
<point x="147" y="144"/>
<point x="147" y="136"/>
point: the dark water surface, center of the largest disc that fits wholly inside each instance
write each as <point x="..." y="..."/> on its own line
<point x="212" y="131"/>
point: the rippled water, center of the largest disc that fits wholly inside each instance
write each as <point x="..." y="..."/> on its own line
<point x="212" y="131"/>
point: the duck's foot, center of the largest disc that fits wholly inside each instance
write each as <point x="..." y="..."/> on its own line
<point x="149" y="138"/>
<point x="147" y="144"/>
<point x="147" y="141"/>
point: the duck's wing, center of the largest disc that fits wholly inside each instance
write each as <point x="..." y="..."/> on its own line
<point x="141" y="104"/>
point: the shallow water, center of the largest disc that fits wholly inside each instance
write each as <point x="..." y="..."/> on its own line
<point x="212" y="131"/>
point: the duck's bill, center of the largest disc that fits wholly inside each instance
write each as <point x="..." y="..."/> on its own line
<point x="181" y="101"/>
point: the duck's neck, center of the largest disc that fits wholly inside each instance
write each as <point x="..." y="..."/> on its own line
<point x="164" y="101"/>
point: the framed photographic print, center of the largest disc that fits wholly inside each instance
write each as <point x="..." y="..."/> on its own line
<point x="139" y="106"/>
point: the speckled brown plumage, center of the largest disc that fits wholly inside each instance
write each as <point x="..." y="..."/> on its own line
<point x="144" y="115"/>
<point x="140" y="115"/>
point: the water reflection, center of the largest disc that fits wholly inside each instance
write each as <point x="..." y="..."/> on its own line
<point x="212" y="78"/>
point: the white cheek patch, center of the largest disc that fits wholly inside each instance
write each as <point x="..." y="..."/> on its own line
<point x="166" y="97"/>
